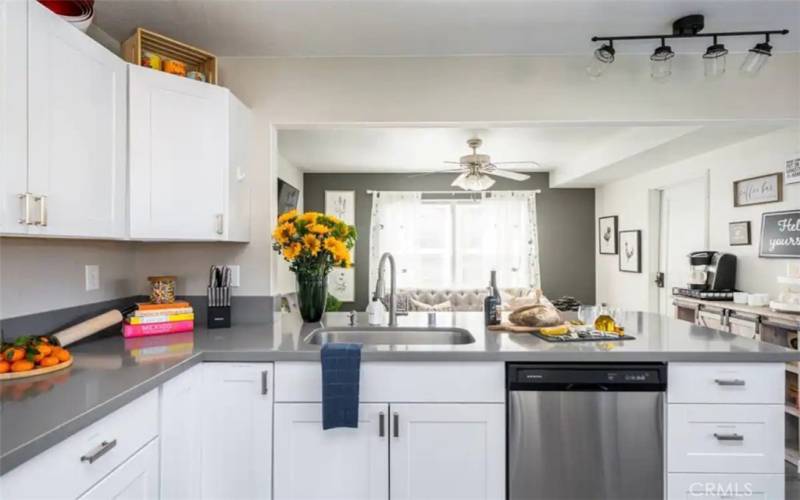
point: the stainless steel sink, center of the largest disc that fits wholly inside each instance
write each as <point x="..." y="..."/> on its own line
<point x="379" y="335"/>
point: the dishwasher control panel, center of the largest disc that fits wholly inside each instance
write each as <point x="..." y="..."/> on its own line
<point x="598" y="377"/>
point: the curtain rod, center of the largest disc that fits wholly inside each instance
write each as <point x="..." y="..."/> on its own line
<point x="372" y="191"/>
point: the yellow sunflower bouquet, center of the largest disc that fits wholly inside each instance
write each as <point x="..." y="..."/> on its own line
<point x="313" y="242"/>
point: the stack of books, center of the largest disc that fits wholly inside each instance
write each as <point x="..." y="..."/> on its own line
<point x="158" y="319"/>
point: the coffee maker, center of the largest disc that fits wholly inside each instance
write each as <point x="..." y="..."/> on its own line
<point x="712" y="276"/>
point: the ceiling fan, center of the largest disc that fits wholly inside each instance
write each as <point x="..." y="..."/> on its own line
<point x="476" y="169"/>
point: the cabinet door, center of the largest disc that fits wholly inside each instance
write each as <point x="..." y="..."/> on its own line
<point x="77" y="131"/>
<point x="13" y="116"/>
<point x="236" y="430"/>
<point x="180" y="427"/>
<point x="311" y="463"/>
<point x="179" y="157"/>
<point x="135" y="479"/>
<point x="237" y="227"/>
<point x="448" y="451"/>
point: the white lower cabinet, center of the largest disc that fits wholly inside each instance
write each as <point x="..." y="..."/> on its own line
<point x="350" y="464"/>
<point x="236" y="431"/>
<point x="135" y="479"/>
<point x="726" y="486"/>
<point x="447" y="451"/>
<point x="181" y="411"/>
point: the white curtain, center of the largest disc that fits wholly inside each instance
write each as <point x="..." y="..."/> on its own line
<point x="450" y="242"/>
<point x="394" y="217"/>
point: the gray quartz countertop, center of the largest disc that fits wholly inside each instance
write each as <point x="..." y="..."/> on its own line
<point x="107" y="373"/>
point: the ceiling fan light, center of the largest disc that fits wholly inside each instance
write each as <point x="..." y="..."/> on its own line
<point x="756" y="58"/>
<point x="603" y="57"/>
<point x="476" y="182"/>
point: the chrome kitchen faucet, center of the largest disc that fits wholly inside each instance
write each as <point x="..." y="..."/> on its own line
<point x="380" y="285"/>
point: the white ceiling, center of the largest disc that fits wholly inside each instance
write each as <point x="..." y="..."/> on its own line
<point x="424" y="149"/>
<point x="436" y="27"/>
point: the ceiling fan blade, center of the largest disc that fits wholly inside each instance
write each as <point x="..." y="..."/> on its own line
<point x="445" y="171"/>
<point x="454" y="162"/>
<point x="532" y="163"/>
<point x="508" y="174"/>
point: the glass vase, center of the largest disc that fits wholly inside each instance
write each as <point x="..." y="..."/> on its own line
<point x="312" y="294"/>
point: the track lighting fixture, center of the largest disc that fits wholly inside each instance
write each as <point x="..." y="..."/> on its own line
<point x="714" y="60"/>
<point x="756" y="58"/>
<point x="603" y="57"/>
<point x="687" y="27"/>
<point x="661" y="62"/>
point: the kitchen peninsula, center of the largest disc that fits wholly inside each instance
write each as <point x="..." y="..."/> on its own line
<point x="272" y="377"/>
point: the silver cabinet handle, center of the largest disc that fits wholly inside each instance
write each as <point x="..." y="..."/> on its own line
<point x="98" y="452"/>
<point x="265" y="382"/>
<point x="729" y="437"/>
<point x="396" y="424"/>
<point x="26" y="208"/>
<point x="733" y="381"/>
<point x="42" y="200"/>
<point x="220" y="223"/>
<point x="381" y="424"/>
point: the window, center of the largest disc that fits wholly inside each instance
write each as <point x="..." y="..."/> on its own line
<point x="445" y="243"/>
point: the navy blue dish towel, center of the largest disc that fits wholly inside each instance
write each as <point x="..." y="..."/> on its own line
<point x="341" y="366"/>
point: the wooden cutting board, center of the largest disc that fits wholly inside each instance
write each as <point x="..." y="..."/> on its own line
<point x="36" y="371"/>
<point x="512" y="328"/>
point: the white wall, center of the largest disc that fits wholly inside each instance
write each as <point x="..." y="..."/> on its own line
<point x="285" y="280"/>
<point x="629" y="199"/>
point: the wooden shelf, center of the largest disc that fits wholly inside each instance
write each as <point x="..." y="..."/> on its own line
<point x="792" y="410"/>
<point x="793" y="457"/>
<point x="792" y="367"/>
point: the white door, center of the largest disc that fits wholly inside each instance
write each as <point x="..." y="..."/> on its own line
<point x="684" y="229"/>
<point x="135" y="479"/>
<point x="341" y="464"/>
<point x="13" y="116"/>
<point x="77" y="144"/>
<point x="181" y="449"/>
<point x="178" y="157"/>
<point x="448" y="451"/>
<point x="236" y="431"/>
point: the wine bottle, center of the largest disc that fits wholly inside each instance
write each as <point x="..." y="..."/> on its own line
<point x="491" y="303"/>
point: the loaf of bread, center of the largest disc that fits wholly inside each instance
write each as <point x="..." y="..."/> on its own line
<point x="536" y="315"/>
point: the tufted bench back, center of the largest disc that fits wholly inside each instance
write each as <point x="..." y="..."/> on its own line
<point x="469" y="299"/>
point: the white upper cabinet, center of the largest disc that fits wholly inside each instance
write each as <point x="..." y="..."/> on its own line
<point x="13" y="116"/>
<point x="76" y="116"/>
<point x="181" y="157"/>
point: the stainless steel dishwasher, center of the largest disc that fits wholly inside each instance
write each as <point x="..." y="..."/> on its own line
<point x="586" y="431"/>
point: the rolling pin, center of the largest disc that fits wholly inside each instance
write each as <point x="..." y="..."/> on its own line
<point x="89" y="327"/>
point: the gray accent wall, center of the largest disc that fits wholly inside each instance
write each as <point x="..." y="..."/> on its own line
<point x="566" y="226"/>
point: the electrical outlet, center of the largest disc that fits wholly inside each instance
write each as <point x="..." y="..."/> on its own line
<point x="92" y="277"/>
<point x="235" y="271"/>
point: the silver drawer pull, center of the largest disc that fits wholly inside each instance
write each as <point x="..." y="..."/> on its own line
<point x="98" y="452"/>
<point x="725" y="381"/>
<point x="729" y="437"/>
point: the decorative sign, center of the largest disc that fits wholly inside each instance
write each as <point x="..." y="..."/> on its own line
<point x="739" y="233"/>
<point x="780" y="234"/>
<point x="793" y="170"/>
<point x="758" y="190"/>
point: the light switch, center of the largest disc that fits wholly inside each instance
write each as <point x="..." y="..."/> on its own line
<point x="92" y="277"/>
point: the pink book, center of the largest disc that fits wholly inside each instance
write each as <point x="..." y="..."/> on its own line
<point x="145" y="329"/>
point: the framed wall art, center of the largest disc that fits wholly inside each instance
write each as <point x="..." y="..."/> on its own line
<point x="607" y="235"/>
<point x="757" y="190"/>
<point x="630" y="251"/>
<point x="739" y="233"/>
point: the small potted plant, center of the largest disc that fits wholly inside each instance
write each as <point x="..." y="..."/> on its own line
<point x="313" y="243"/>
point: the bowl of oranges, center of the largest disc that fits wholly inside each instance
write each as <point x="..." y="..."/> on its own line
<point x="32" y="355"/>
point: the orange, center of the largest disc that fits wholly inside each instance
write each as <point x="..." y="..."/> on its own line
<point x="61" y="354"/>
<point x="13" y="354"/>
<point x="23" y="365"/>
<point x="48" y="361"/>
<point x="4" y="366"/>
<point x="44" y="349"/>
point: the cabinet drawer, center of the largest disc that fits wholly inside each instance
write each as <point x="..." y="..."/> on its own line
<point x="754" y="487"/>
<point x="746" y="383"/>
<point x="725" y="438"/>
<point x="412" y="382"/>
<point x="60" y="472"/>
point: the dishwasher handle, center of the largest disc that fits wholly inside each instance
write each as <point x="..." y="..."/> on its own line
<point x="586" y="387"/>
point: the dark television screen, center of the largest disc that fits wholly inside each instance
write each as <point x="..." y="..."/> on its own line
<point x="288" y="196"/>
